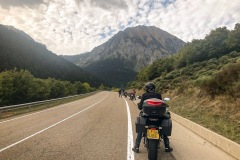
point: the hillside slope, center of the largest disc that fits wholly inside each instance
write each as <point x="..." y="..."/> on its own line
<point x="203" y="81"/>
<point x="19" y="50"/>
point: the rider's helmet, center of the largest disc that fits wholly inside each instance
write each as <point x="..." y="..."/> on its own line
<point x="150" y="87"/>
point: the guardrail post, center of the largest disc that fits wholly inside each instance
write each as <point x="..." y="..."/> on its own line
<point x="30" y="108"/>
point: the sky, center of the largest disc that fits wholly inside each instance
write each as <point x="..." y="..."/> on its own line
<point x="69" y="27"/>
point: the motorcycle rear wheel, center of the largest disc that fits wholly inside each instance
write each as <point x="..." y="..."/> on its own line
<point x="152" y="149"/>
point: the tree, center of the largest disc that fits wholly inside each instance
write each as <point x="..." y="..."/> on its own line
<point x="234" y="38"/>
<point x="57" y="88"/>
<point x="87" y="87"/>
<point x="14" y="86"/>
<point x="38" y="90"/>
<point x="217" y="42"/>
<point x="101" y="87"/>
<point x="80" y="87"/>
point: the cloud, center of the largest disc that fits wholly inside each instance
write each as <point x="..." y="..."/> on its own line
<point x="8" y="3"/>
<point x="107" y="4"/>
<point x="194" y="19"/>
<point x="77" y="26"/>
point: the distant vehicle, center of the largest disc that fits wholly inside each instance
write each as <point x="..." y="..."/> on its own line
<point x="132" y="96"/>
<point x="125" y="94"/>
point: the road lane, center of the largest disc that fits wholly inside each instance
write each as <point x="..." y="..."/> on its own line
<point x="15" y="130"/>
<point x="15" y="153"/>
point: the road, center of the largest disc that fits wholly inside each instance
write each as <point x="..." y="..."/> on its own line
<point x="98" y="127"/>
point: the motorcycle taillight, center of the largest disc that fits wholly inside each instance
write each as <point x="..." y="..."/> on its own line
<point x="154" y="102"/>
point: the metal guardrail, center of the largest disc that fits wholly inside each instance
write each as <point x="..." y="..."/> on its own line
<point x="29" y="105"/>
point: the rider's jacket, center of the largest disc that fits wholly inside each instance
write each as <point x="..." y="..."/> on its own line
<point x="148" y="95"/>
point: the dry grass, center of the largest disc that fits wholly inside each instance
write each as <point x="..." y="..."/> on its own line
<point x="221" y="114"/>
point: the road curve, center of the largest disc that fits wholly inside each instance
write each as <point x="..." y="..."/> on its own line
<point x="92" y="128"/>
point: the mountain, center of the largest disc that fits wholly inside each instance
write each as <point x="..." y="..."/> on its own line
<point x="17" y="49"/>
<point x="119" y="59"/>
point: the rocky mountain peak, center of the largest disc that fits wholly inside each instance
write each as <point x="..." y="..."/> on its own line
<point x="132" y="49"/>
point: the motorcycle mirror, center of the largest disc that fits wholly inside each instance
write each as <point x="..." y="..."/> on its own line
<point x="166" y="99"/>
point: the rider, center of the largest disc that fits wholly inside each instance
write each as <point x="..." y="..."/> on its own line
<point x="120" y="93"/>
<point x="150" y="93"/>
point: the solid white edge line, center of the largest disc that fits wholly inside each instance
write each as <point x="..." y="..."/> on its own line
<point x="52" y="125"/>
<point x="130" y="153"/>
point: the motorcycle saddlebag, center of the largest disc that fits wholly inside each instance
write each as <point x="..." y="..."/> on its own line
<point x="140" y="124"/>
<point x="166" y="127"/>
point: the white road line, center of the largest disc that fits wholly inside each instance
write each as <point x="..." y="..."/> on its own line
<point x="130" y="154"/>
<point x="36" y="112"/>
<point x="51" y="125"/>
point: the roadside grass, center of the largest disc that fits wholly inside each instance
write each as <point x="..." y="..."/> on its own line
<point x="221" y="115"/>
<point x="14" y="112"/>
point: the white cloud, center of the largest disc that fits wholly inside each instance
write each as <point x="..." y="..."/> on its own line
<point x="77" y="26"/>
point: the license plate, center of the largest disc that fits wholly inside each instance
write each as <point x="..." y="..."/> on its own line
<point x="152" y="134"/>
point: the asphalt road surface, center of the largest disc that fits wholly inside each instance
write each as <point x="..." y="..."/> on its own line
<point x="99" y="127"/>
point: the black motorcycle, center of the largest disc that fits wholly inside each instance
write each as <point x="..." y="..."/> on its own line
<point x="154" y="122"/>
<point x="125" y="94"/>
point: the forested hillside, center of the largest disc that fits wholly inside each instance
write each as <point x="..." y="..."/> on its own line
<point x="18" y="50"/>
<point x="218" y="43"/>
<point x="203" y="81"/>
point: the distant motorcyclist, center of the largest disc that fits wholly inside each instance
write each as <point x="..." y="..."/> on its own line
<point x="133" y="94"/>
<point x="120" y="92"/>
<point x="150" y="93"/>
<point x="125" y="94"/>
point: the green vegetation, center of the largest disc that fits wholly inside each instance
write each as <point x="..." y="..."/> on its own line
<point x="20" y="86"/>
<point x="203" y="81"/>
<point x="218" y="43"/>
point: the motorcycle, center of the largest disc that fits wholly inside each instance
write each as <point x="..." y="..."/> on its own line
<point x="132" y="96"/>
<point x="154" y="122"/>
<point x="125" y="94"/>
